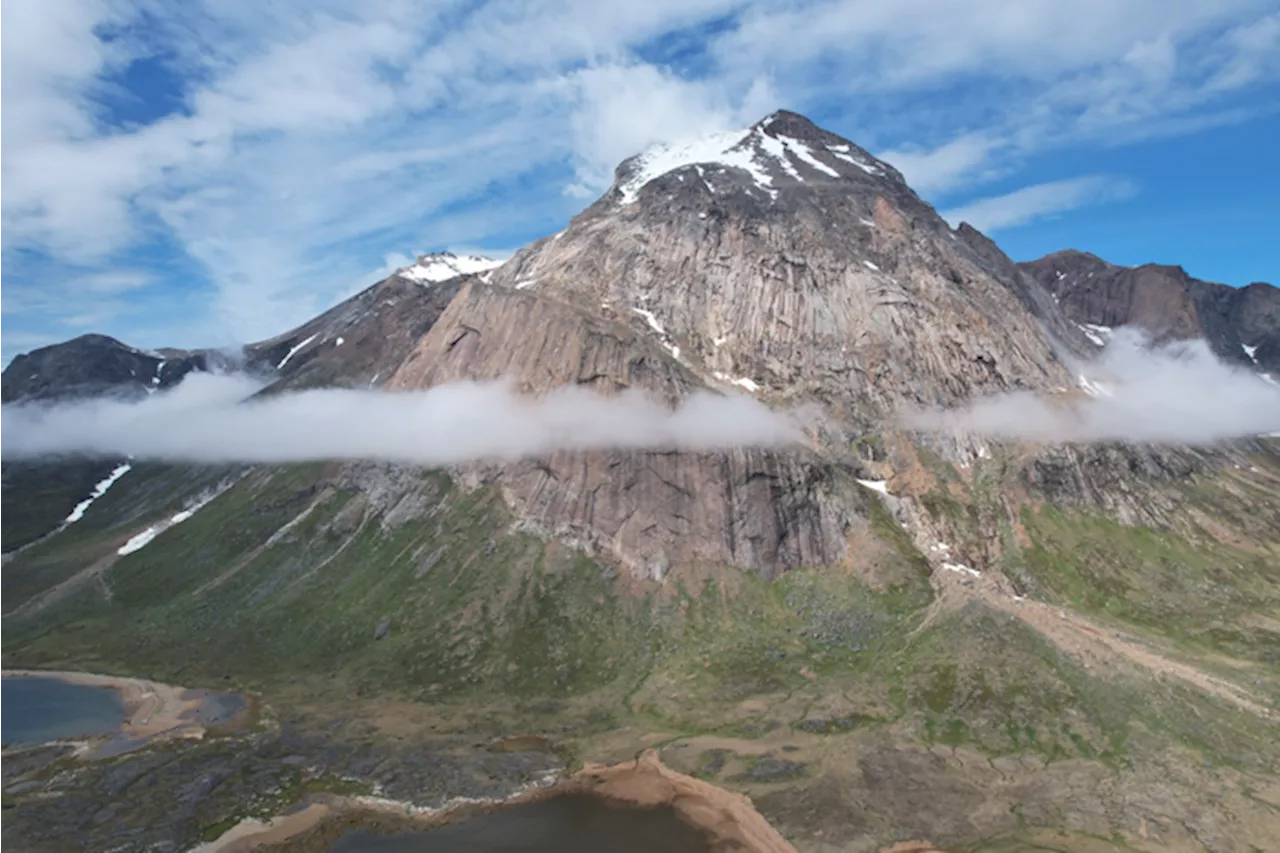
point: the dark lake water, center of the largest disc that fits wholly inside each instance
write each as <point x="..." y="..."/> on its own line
<point x="42" y="709"/>
<point x="566" y="824"/>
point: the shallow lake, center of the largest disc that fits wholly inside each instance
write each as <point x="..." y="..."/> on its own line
<point x="565" y="824"/>
<point x="42" y="709"/>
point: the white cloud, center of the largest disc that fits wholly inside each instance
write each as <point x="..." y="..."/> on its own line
<point x="116" y="281"/>
<point x="307" y="141"/>
<point x="625" y="108"/>
<point x="1178" y="393"/>
<point x="1038" y="201"/>
<point x="946" y="166"/>
<point x="208" y="419"/>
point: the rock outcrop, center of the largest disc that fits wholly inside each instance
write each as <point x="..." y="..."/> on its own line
<point x="1241" y="325"/>
<point x="766" y="510"/>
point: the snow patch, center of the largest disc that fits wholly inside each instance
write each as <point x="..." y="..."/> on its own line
<point x="527" y="283"/>
<point x="339" y="342"/>
<point x="652" y="320"/>
<point x="442" y="266"/>
<point x="721" y="149"/>
<point x="137" y="543"/>
<point x="741" y="381"/>
<point x="291" y="353"/>
<point x="98" y="491"/>
<point x="1093" y="388"/>
<point x="777" y="149"/>
<point x="843" y="152"/>
<point x="1249" y="351"/>
<point x="1098" y="334"/>
<point x="961" y="568"/>
<point x="876" y="485"/>
<point x="871" y="266"/>
<point x="805" y="154"/>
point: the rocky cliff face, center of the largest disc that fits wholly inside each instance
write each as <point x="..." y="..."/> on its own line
<point x="1240" y="324"/>
<point x="782" y="261"/>
<point x="788" y="257"/>
<point x="762" y="510"/>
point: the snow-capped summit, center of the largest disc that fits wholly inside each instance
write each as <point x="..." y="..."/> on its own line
<point x="783" y="148"/>
<point x="442" y="266"/>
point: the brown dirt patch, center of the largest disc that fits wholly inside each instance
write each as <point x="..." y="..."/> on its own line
<point x="730" y="820"/>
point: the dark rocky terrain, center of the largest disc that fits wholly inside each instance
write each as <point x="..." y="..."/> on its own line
<point x="877" y="634"/>
<point x="97" y="365"/>
<point x="1241" y="325"/>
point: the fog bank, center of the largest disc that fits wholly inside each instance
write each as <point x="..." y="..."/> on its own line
<point x="1176" y="393"/>
<point x="208" y="419"/>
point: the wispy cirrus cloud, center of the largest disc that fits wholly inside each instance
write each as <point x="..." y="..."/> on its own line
<point x="274" y="154"/>
<point x="1038" y="201"/>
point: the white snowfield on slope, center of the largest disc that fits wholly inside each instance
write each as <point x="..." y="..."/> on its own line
<point x="751" y="150"/>
<point x="432" y="269"/>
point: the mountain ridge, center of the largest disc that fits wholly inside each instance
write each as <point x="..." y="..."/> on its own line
<point x="1240" y="324"/>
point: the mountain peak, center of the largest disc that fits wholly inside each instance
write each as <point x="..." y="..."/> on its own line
<point x="435" y="267"/>
<point x="792" y="124"/>
<point x="784" y="149"/>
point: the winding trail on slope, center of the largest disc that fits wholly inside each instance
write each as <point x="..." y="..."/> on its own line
<point x="1102" y="649"/>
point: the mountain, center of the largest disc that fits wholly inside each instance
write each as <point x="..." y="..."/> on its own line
<point x="790" y="257"/>
<point x="38" y="496"/>
<point x="880" y="634"/>
<point x="96" y="365"/>
<point x="1241" y="325"/>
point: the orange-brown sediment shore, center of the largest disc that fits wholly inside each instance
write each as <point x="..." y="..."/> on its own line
<point x="152" y="710"/>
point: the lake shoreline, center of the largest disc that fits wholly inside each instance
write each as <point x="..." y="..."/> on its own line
<point x="153" y="711"/>
<point x="728" y="820"/>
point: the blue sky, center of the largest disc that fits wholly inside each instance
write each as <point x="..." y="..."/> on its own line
<point x="210" y="173"/>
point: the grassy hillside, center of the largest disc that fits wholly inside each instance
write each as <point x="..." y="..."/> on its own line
<point x="348" y="587"/>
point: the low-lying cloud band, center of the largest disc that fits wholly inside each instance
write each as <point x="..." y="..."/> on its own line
<point x="1178" y="393"/>
<point x="208" y="419"/>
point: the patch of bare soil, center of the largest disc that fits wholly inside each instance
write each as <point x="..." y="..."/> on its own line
<point x="730" y="820"/>
<point x="1105" y="649"/>
<point x="252" y="834"/>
